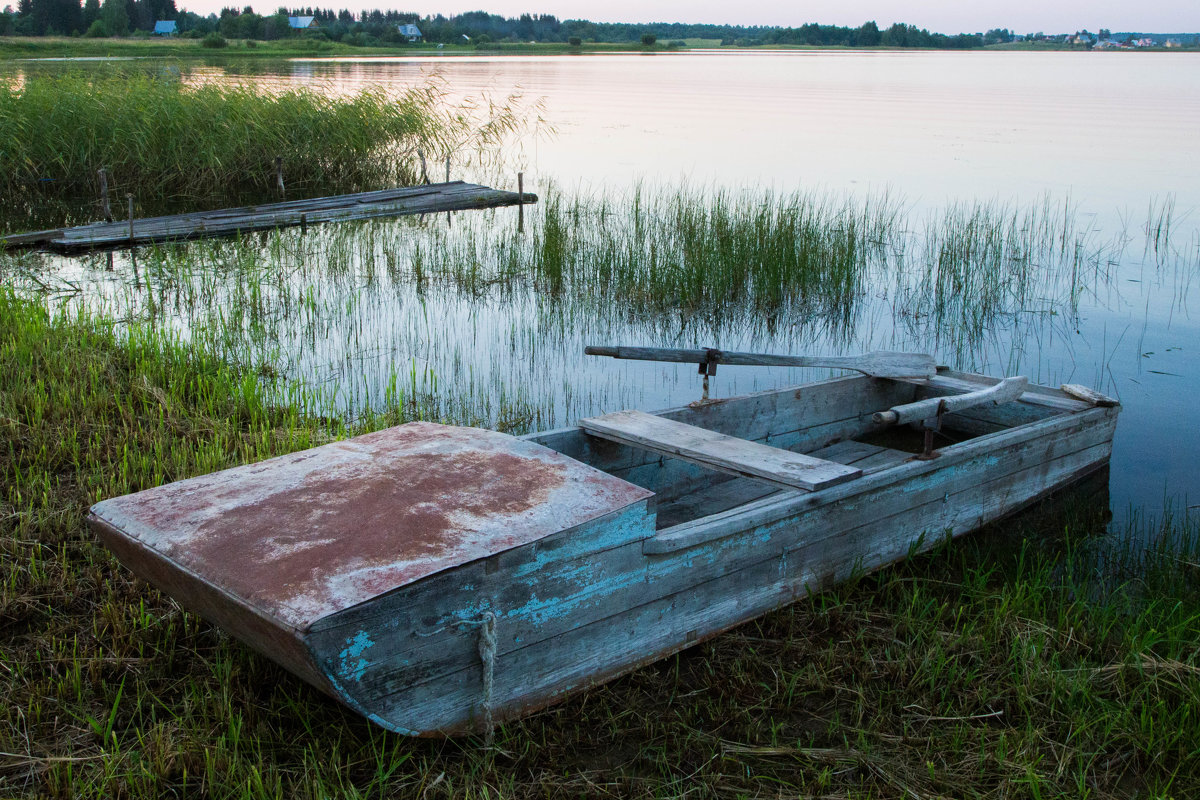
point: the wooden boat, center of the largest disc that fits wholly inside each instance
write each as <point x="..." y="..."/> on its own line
<point x="441" y="579"/>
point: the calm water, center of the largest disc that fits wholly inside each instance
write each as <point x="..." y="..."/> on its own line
<point x="1113" y="134"/>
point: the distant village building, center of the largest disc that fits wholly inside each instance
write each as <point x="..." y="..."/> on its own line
<point x="1173" y="43"/>
<point x="302" y="23"/>
<point x="411" y="33"/>
<point x="164" y="27"/>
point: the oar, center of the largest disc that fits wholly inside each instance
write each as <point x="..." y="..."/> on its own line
<point x="881" y="364"/>
<point x="1005" y="391"/>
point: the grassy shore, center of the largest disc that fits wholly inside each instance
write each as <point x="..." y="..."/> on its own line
<point x="27" y="47"/>
<point x="989" y="668"/>
<point x="22" y="47"/>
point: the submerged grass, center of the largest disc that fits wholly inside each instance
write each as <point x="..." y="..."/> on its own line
<point x="170" y="144"/>
<point x="980" y="670"/>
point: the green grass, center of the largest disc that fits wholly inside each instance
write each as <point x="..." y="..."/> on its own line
<point x="171" y="144"/>
<point x="984" y="669"/>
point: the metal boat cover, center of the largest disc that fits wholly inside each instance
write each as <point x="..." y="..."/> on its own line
<point x="312" y="533"/>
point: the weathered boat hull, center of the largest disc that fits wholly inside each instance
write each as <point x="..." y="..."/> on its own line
<point x="488" y="639"/>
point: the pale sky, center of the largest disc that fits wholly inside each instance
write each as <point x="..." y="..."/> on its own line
<point x="942" y="16"/>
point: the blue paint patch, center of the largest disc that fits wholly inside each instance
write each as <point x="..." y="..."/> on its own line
<point x="352" y="663"/>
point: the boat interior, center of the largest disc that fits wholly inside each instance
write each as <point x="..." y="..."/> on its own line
<point x="716" y="455"/>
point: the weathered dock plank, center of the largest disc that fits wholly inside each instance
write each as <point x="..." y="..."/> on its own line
<point x="409" y="200"/>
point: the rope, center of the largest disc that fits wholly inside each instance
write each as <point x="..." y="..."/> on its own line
<point x="486" y="645"/>
<point x="487" y="656"/>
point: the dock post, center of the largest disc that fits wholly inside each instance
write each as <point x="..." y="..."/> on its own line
<point x="105" y="210"/>
<point x="448" y="213"/>
<point x="129" y="197"/>
<point x="520" y="202"/>
<point x="279" y="174"/>
<point x="424" y="171"/>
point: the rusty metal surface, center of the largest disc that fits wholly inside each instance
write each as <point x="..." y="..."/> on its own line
<point x="315" y="532"/>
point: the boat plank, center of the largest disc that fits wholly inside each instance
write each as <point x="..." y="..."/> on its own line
<point x="721" y="452"/>
<point x="816" y="414"/>
<point x="713" y="499"/>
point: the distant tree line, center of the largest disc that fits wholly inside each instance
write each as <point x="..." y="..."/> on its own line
<point x="70" y="18"/>
<point x="124" y="17"/>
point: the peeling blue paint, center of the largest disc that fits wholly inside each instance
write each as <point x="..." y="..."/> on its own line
<point x="352" y="664"/>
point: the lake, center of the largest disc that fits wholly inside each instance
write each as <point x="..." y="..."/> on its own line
<point x="1108" y="136"/>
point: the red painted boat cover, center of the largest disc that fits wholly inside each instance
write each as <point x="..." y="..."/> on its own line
<point x="308" y="534"/>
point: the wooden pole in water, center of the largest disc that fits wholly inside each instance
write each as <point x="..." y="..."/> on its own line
<point x="424" y="171"/>
<point x="279" y="174"/>
<point x="448" y="213"/>
<point x="129" y="197"/>
<point x="520" y="201"/>
<point x="105" y="210"/>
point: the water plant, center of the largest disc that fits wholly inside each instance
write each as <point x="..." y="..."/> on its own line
<point x="171" y="141"/>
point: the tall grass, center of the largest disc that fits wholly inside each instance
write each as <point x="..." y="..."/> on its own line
<point x="166" y="142"/>
<point x="703" y="251"/>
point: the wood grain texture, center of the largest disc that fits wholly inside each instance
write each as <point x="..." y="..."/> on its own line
<point x="451" y="196"/>
<point x="800" y="419"/>
<point x="976" y="457"/>
<point x="879" y="364"/>
<point x="1005" y="391"/>
<point x="718" y="451"/>
<point x="1087" y="395"/>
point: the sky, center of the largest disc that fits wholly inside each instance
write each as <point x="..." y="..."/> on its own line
<point x="942" y="16"/>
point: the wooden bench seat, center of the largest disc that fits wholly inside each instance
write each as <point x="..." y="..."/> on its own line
<point x="718" y="451"/>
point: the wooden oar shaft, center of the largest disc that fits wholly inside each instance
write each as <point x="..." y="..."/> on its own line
<point x="882" y="364"/>
<point x="1005" y="391"/>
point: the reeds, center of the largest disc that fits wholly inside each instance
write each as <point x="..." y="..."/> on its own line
<point x="167" y="142"/>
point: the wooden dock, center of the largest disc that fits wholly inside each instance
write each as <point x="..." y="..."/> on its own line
<point x="427" y="199"/>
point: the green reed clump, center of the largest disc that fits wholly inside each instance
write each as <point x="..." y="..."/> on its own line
<point x="163" y="140"/>
<point x="709" y="251"/>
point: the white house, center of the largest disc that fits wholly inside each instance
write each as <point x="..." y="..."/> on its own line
<point x="410" y="33"/>
<point x="164" y="27"/>
<point x="300" y="23"/>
